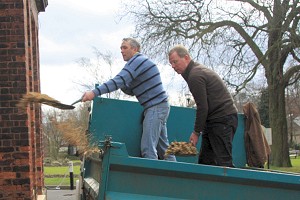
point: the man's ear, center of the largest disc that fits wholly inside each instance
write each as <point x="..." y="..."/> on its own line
<point x="187" y="58"/>
<point x="135" y="49"/>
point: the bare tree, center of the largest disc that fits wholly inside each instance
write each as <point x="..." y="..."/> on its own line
<point x="57" y="133"/>
<point x="53" y="137"/>
<point x="293" y="108"/>
<point x="98" y="71"/>
<point x="243" y="36"/>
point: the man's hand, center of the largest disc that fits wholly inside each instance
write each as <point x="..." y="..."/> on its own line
<point x="194" y="138"/>
<point x="88" y="96"/>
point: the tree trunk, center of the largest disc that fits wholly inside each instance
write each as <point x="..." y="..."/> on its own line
<point x="280" y="150"/>
<point x="276" y="86"/>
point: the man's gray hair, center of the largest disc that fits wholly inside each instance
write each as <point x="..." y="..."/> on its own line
<point x="133" y="43"/>
<point x="180" y="50"/>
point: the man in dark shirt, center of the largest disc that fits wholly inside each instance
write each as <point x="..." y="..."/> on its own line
<point x="216" y="115"/>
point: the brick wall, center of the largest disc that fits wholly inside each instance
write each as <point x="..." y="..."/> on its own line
<point x="21" y="150"/>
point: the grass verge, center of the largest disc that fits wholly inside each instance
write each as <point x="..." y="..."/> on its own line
<point x="60" y="176"/>
<point x="61" y="170"/>
<point x="295" y="169"/>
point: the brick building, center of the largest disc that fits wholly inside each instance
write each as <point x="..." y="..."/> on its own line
<point x="21" y="150"/>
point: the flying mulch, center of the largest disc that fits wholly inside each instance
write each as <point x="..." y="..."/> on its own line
<point x="35" y="97"/>
<point x="77" y="136"/>
<point x="181" y="149"/>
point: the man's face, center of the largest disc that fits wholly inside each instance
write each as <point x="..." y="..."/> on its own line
<point x="127" y="51"/>
<point x="179" y="64"/>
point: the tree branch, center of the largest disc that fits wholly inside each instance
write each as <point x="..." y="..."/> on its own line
<point x="292" y="71"/>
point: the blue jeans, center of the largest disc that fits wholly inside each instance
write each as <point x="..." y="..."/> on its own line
<point x="155" y="141"/>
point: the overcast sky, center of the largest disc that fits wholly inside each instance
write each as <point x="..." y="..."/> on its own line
<point x="68" y="30"/>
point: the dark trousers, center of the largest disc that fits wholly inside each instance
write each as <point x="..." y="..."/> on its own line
<point x="217" y="137"/>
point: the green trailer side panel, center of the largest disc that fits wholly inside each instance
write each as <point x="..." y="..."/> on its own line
<point x="120" y="173"/>
<point x="126" y="177"/>
<point x="123" y="121"/>
<point x="120" y="119"/>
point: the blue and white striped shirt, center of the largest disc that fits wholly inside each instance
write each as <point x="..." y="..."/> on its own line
<point x="139" y="77"/>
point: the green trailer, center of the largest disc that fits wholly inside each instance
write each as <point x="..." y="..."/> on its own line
<point x="119" y="172"/>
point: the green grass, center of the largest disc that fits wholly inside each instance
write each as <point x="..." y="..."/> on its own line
<point x="294" y="169"/>
<point x="62" y="171"/>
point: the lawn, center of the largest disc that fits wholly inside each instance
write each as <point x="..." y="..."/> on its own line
<point x="294" y="169"/>
<point x="60" y="176"/>
<point x="61" y="170"/>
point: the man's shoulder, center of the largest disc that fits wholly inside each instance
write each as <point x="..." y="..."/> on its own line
<point x="198" y="66"/>
<point x="139" y="57"/>
<point x="200" y="69"/>
<point x="197" y="70"/>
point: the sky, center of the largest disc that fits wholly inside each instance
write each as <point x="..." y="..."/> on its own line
<point x="68" y="31"/>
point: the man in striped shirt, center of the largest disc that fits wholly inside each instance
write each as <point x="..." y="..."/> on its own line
<point x="140" y="77"/>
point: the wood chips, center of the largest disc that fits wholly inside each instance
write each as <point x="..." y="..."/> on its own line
<point x="181" y="149"/>
<point x="77" y="136"/>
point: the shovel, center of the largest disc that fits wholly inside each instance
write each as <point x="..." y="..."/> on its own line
<point x="35" y="97"/>
<point x="66" y="106"/>
<point x="77" y="101"/>
<point x="60" y="105"/>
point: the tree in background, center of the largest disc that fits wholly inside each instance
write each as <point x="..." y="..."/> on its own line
<point x="53" y="139"/>
<point x="293" y="109"/>
<point x="65" y="127"/>
<point x="244" y="37"/>
<point x="99" y="70"/>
